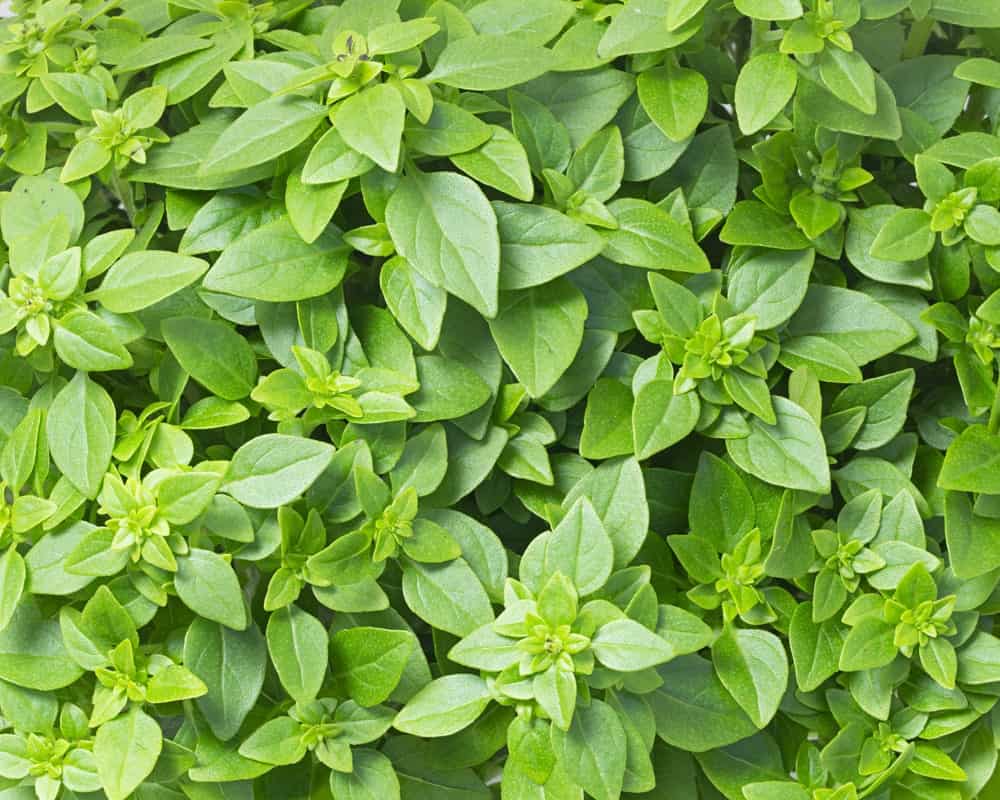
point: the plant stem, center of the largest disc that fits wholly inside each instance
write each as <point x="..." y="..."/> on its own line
<point x="994" y="422"/>
<point x="916" y="41"/>
<point x="758" y="32"/>
<point x="124" y="193"/>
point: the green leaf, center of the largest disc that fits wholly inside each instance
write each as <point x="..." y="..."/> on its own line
<point x="580" y="548"/>
<point x="984" y="71"/>
<point x="331" y="160"/>
<point x="228" y="368"/>
<point x="373" y="778"/>
<point x="443" y="225"/>
<point x="224" y="219"/>
<point x="979" y="659"/>
<point x="598" y="165"/>
<point x="487" y="63"/>
<point x="538" y="244"/>
<point x="594" y="751"/>
<point x="297" y="643"/>
<point x="538" y="332"/>
<point x="448" y="389"/>
<point x="126" y="750"/>
<point x="865" y="225"/>
<point x="273" y="263"/>
<point x="753" y="667"/>
<point x="647" y="236"/>
<point x="638" y="29"/>
<point x="469" y="462"/>
<point x="12" y="578"/>
<point x="545" y="139"/>
<point x="263" y="133"/>
<point x="444" y="706"/>
<point x="81" y="430"/>
<point x="906" y="236"/>
<point x="500" y="162"/>
<point x="831" y="112"/>
<point x="849" y="76"/>
<point x="770" y="10"/>
<point x="77" y="94"/>
<point x="765" y="85"/>
<point x="964" y="12"/>
<point x="626" y="646"/>
<point x="32" y="653"/>
<point x="448" y="596"/>
<point x="692" y="708"/>
<point x="45" y="561"/>
<point x="816" y="647"/>
<point x="139" y="280"/>
<point x="449" y="130"/>
<point x="232" y="665"/>
<point x="972" y="539"/>
<point x="423" y="462"/>
<point x="273" y="469"/>
<point x="674" y="98"/>
<point x="860" y="326"/>
<point x="207" y="584"/>
<point x="86" y="342"/>
<point x="416" y="303"/>
<point x="537" y="23"/>
<point x="368" y="663"/>
<point x="771" y="285"/>
<point x="970" y="462"/>
<point x="617" y="491"/>
<point x="757" y="225"/>
<point x="661" y="418"/>
<point x="371" y="122"/>
<point x="310" y="207"/>
<point x="868" y="645"/>
<point x="886" y="400"/>
<point x="789" y="453"/>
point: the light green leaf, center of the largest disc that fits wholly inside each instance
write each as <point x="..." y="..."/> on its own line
<point x="753" y="667"/>
<point x="538" y="332"/>
<point x="273" y="469"/>
<point x="126" y="750"/>
<point x="81" y="430"/>
<point x="443" y="225"/>
<point x="789" y="453"/>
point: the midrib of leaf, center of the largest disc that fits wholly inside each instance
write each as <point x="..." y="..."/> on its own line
<point x="297" y="652"/>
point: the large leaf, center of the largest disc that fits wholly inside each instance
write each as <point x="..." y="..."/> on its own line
<point x="273" y="263"/>
<point x="789" y="453"/>
<point x="753" y="667"/>
<point x="446" y="229"/>
<point x="81" y="429"/>
<point x="538" y="332"/>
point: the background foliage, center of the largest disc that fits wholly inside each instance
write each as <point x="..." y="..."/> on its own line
<point x="452" y="400"/>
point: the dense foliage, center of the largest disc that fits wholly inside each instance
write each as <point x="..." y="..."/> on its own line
<point x="522" y="399"/>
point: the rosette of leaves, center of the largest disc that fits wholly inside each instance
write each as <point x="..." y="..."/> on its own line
<point x="811" y="182"/>
<point x="50" y="748"/>
<point x="570" y="653"/>
<point x="49" y="303"/>
<point x="956" y="210"/>
<point x="323" y="394"/>
<point x="719" y="352"/>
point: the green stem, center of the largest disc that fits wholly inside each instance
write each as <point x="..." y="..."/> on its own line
<point x="124" y="192"/>
<point x="994" y="423"/>
<point x="758" y="33"/>
<point x="919" y="36"/>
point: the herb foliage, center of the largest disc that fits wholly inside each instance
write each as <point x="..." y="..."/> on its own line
<point x="469" y="399"/>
